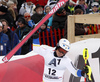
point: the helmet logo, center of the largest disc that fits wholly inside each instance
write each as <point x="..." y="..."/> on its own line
<point x="66" y="46"/>
<point x="64" y="40"/>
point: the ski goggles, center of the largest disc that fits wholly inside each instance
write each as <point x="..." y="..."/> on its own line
<point x="62" y="51"/>
<point x="95" y="6"/>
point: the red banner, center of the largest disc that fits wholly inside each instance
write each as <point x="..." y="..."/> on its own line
<point x="28" y="69"/>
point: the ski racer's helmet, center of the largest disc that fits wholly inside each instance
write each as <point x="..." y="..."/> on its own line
<point x="64" y="44"/>
<point x="95" y="4"/>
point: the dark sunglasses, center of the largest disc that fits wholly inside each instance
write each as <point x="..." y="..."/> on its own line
<point x="27" y="16"/>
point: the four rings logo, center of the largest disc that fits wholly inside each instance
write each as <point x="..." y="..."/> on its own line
<point x="56" y="7"/>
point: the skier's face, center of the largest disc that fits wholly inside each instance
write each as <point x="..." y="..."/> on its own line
<point x="61" y="52"/>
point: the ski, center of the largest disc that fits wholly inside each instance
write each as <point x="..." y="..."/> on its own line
<point x="14" y="50"/>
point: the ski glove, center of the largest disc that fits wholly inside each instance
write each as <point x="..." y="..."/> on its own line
<point x="85" y="70"/>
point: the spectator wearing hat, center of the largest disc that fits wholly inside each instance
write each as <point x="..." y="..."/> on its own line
<point x="38" y="15"/>
<point x="70" y="7"/>
<point x="95" y="8"/>
<point x="84" y="6"/>
<point x="59" y="19"/>
<point x="4" y="42"/>
<point x="13" y="38"/>
<point x="22" y="31"/>
<point x="27" y="7"/>
<point x="4" y="14"/>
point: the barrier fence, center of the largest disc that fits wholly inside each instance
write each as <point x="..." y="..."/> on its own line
<point x="51" y="38"/>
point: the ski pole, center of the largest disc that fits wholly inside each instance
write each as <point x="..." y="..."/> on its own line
<point x="85" y="57"/>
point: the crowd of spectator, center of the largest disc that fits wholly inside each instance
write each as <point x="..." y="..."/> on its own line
<point x="19" y="17"/>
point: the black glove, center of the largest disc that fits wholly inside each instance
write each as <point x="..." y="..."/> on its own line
<point x="85" y="70"/>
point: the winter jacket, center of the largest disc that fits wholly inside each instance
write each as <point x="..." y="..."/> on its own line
<point x="4" y="44"/>
<point x="36" y="17"/>
<point x="9" y="19"/>
<point x="58" y="21"/>
<point x="35" y="35"/>
<point x="26" y="8"/>
<point x="22" y="32"/>
<point x="50" y="21"/>
<point x="14" y="40"/>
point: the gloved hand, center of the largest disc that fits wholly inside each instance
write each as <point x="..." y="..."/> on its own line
<point x="85" y="70"/>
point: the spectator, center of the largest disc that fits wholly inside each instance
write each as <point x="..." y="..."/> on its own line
<point x="31" y="24"/>
<point x="47" y="9"/>
<point x="95" y="8"/>
<point x="13" y="38"/>
<point x="84" y="5"/>
<point x="38" y="15"/>
<point x="4" y="14"/>
<point x="12" y="8"/>
<point x="27" y="7"/>
<point x="70" y="7"/>
<point x="22" y="31"/>
<point x="79" y="28"/>
<point x="27" y="17"/>
<point x="44" y="29"/>
<point x="80" y="7"/>
<point x="59" y="19"/>
<point x="4" y="42"/>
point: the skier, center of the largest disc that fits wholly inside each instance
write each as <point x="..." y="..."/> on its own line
<point x="56" y="61"/>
